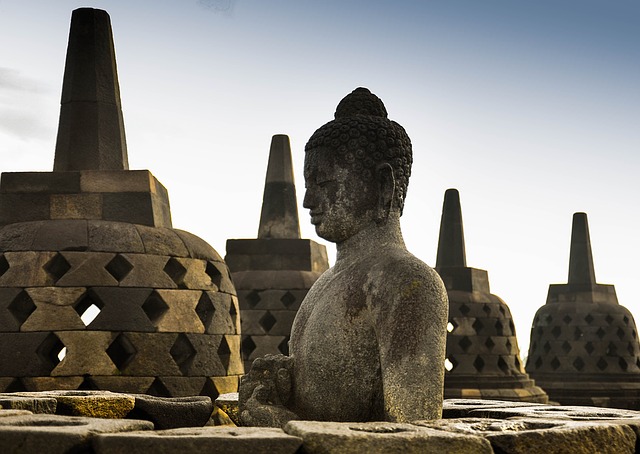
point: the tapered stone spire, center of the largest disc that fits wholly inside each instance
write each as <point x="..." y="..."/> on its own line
<point x="581" y="269"/>
<point x="451" y="250"/>
<point x="91" y="127"/>
<point x="279" y="217"/>
<point x="483" y="358"/>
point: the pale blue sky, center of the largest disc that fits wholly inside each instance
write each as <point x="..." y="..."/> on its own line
<point x="530" y="109"/>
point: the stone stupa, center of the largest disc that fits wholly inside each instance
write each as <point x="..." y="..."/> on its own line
<point x="483" y="358"/>
<point x="97" y="290"/>
<point x="584" y="346"/>
<point x="274" y="272"/>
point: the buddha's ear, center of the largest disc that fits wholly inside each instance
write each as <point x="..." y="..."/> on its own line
<point x="386" y="190"/>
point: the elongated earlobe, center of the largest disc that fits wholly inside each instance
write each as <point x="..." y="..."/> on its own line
<point x="386" y="191"/>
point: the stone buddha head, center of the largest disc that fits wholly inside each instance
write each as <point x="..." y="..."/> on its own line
<point x="356" y="168"/>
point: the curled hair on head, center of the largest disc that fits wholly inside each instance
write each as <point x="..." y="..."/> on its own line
<point x="362" y="137"/>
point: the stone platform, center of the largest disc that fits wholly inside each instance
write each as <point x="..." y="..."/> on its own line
<point x="28" y="425"/>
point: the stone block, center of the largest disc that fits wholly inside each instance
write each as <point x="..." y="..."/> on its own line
<point x="218" y="313"/>
<point x="94" y="404"/>
<point x="76" y="206"/>
<point x="281" y="299"/>
<point x="86" y="354"/>
<point x="28" y="354"/>
<point x="37" y="384"/>
<point x="228" y="403"/>
<point x="34" y="404"/>
<point x="10" y="413"/>
<point x="254" y="347"/>
<point x="88" y="269"/>
<point x="114" y="237"/>
<point x="131" y="207"/>
<point x="19" y="236"/>
<point x="199" y="354"/>
<point x="216" y="386"/>
<point x="220" y="277"/>
<point x="194" y="274"/>
<point x="170" y="413"/>
<point x="17" y="207"/>
<point x="27" y="269"/>
<point x="205" y="439"/>
<point x="47" y="182"/>
<point x="176" y="386"/>
<point x="277" y="280"/>
<point x="55" y="434"/>
<point x="62" y="235"/>
<point x="162" y="241"/>
<point x="121" y="309"/>
<point x="180" y="316"/>
<point x="15" y="308"/>
<point x="277" y="323"/>
<point x="197" y="247"/>
<point x="152" y="355"/>
<point x="11" y="384"/>
<point x="147" y="271"/>
<point x="381" y="437"/>
<point x="233" y="359"/>
<point x="575" y="413"/>
<point x="120" y="384"/>
<point x="54" y="309"/>
<point x="117" y="181"/>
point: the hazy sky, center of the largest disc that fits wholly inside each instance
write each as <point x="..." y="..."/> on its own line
<point x="530" y="109"/>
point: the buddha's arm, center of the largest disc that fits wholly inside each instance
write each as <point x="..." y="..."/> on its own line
<point x="410" y="318"/>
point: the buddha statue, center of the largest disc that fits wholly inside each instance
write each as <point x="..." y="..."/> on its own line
<point x="368" y="342"/>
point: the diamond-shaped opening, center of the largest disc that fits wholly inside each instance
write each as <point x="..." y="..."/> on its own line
<point x="489" y="343"/>
<point x="566" y="319"/>
<point x="556" y="331"/>
<point x="502" y="365"/>
<point x="288" y="299"/>
<point x="503" y="311"/>
<point x="62" y="354"/>
<point x="50" y="351"/>
<point x="465" y="343"/>
<point x="638" y="362"/>
<point x="283" y="347"/>
<point x="15" y="386"/>
<point x="464" y="309"/>
<point x="88" y="308"/>
<point x="499" y="328"/>
<point x="253" y="298"/>
<point x="577" y="334"/>
<point x="625" y="319"/>
<point x="4" y="264"/>
<point x="224" y="353"/>
<point x="121" y="351"/>
<point x="600" y="333"/>
<point x="589" y="347"/>
<point x="546" y="347"/>
<point x="247" y="346"/>
<point x="623" y="364"/>
<point x="214" y="273"/>
<point x="486" y="309"/>
<point x="478" y="363"/>
<point x="548" y="318"/>
<point x="158" y="389"/>
<point x="477" y="326"/>
<point x="267" y="321"/>
<point x="612" y="350"/>
<point x="578" y="363"/>
<point x="620" y="333"/>
<point x="516" y="360"/>
<point x="509" y="345"/>
<point x="566" y="347"/>
<point x="630" y="348"/>
<point x="633" y="333"/>
<point x="205" y="309"/>
<point x="155" y="307"/>
<point x="589" y="319"/>
<point x="450" y="363"/>
<point x="538" y="362"/>
<point x="176" y="271"/>
<point x="539" y="331"/>
<point x="22" y="307"/>
<point x="608" y="319"/>
<point x="555" y="363"/>
<point x="602" y="364"/>
<point x="452" y="325"/>
<point x="57" y="267"/>
<point x="88" y="384"/>
<point x="119" y="267"/>
<point x="512" y="327"/>
<point x="183" y="353"/>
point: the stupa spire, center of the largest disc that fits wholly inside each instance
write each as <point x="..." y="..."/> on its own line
<point x="91" y="128"/>
<point x="581" y="270"/>
<point x="451" y="251"/>
<point x="279" y="216"/>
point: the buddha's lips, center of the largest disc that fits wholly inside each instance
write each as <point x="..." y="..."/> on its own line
<point x="316" y="217"/>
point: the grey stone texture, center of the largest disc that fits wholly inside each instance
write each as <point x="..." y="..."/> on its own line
<point x="483" y="358"/>
<point x="97" y="291"/>
<point x="368" y="341"/>
<point x="274" y="272"/>
<point x="238" y="440"/>
<point x="584" y="347"/>
<point x="170" y="413"/>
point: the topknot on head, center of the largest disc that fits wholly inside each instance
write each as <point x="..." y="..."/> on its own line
<point x="360" y="102"/>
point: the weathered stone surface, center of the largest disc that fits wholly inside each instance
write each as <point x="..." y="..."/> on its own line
<point x="59" y="434"/>
<point x="161" y="241"/>
<point x="461" y="408"/>
<point x="88" y="269"/>
<point x="95" y="404"/>
<point x="37" y="384"/>
<point x="197" y="247"/>
<point x="85" y="354"/>
<point x="34" y="404"/>
<point x="23" y="207"/>
<point x="62" y="235"/>
<point x="120" y="384"/>
<point x="228" y="402"/>
<point x="152" y="355"/>
<point x="114" y="237"/>
<point x="219" y="313"/>
<point x="19" y="236"/>
<point x="206" y="439"/>
<point x="76" y="206"/>
<point x="15" y="306"/>
<point x="54" y="309"/>
<point x="12" y="413"/>
<point x="381" y="437"/>
<point x="27" y="269"/>
<point x="576" y="413"/>
<point x="533" y="436"/>
<point x="121" y="309"/>
<point x="341" y="367"/>
<point x="170" y="413"/>
<point x="147" y="271"/>
<point x="47" y="182"/>
<point x="28" y="354"/>
<point x="180" y="316"/>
